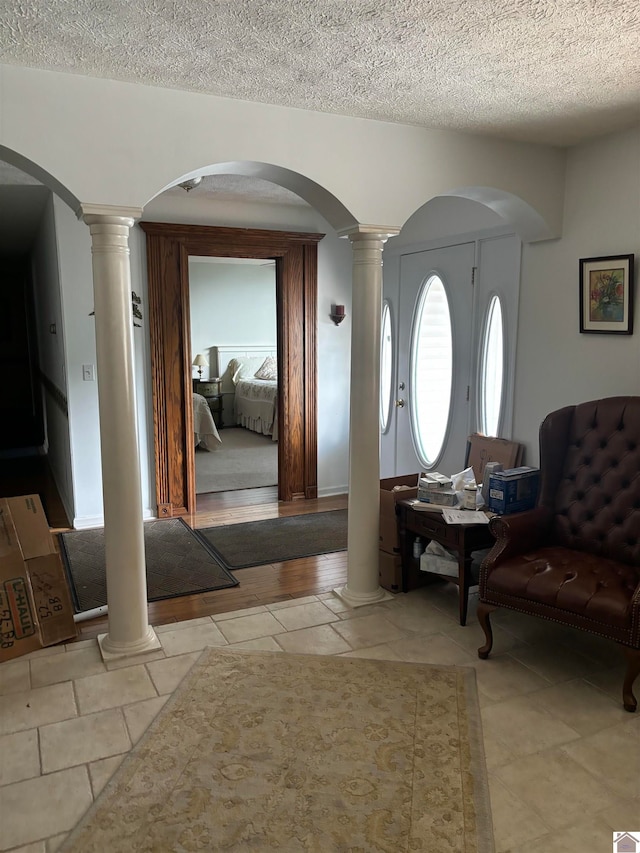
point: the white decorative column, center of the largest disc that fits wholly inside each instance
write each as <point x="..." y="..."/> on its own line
<point x="129" y="630"/>
<point x="364" y="425"/>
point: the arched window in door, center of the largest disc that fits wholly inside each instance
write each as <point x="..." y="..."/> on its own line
<point x="431" y="371"/>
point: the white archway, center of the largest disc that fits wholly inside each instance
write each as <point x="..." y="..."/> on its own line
<point x="485" y="207"/>
<point x="46" y="178"/>
<point x="338" y="216"/>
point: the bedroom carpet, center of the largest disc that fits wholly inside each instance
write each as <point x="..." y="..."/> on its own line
<point x="178" y="563"/>
<point x="243" y="460"/>
<point x="256" y="543"/>
<point x="272" y="751"/>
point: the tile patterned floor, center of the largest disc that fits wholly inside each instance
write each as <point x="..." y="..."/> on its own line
<point x="563" y="756"/>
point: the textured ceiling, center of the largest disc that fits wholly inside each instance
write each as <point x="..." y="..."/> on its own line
<point x="553" y="71"/>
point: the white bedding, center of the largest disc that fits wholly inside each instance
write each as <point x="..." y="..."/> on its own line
<point x="256" y="406"/>
<point x="204" y="428"/>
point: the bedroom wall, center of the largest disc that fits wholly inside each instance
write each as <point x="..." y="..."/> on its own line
<point x="227" y="301"/>
<point x="556" y="365"/>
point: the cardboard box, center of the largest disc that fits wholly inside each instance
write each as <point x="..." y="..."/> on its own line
<point x="513" y="490"/>
<point x="482" y="449"/>
<point x="388" y="499"/>
<point x="390" y="572"/>
<point x="35" y="604"/>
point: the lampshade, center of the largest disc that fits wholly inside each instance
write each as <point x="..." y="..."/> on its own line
<point x="200" y="360"/>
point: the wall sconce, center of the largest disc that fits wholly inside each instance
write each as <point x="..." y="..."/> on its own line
<point x="200" y="361"/>
<point x="337" y="314"/>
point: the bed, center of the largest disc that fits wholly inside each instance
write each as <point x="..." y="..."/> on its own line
<point x="249" y="376"/>
<point x="205" y="432"/>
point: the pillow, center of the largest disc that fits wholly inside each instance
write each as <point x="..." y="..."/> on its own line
<point x="268" y="369"/>
<point x="244" y="367"/>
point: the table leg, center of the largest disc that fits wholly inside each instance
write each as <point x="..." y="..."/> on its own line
<point x="464" y="584"/>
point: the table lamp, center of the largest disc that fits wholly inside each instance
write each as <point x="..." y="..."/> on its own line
<point x="200" y="361"/>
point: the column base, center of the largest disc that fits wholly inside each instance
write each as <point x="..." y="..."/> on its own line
<point x="361" y="599"/>
<point x="115" y="651"/>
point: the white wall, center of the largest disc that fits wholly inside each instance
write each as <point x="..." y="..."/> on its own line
<point x="556" y="365"/>
<point x="231" y="304"/>
<point x="76" y="282"/>
<point x="49" y="316"/>
<point x="109" y="142"/>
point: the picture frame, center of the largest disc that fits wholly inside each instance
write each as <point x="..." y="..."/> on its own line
<point x="606" y="295"/>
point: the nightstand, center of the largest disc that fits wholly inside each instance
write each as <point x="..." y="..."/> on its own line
<point x="210" y="389"/>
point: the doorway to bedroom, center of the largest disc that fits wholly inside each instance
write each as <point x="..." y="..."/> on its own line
<point x="169" y="247"/>
<point x="233" y="323"/>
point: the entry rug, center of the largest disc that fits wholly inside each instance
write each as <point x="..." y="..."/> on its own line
<point x="178" y="563"/>
<point x="275" y="540"/>
<point x="272" y="751"/>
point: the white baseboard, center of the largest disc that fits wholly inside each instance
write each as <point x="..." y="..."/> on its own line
<point x="329" y="491"/>
<point x="87" y="521"/>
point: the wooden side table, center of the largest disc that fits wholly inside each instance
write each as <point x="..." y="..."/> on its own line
<point x="461" y="538"/>
<point x="215" y="402"/>
<point x="212" y="392"/>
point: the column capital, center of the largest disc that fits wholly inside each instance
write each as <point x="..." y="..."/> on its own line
<point x="369" y="232"/>
<point x="109" y="214"/>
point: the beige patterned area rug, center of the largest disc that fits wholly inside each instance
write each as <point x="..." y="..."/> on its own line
<point x="270" y="751"/>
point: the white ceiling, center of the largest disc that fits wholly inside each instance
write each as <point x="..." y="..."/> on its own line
<point x="550" y="71"/>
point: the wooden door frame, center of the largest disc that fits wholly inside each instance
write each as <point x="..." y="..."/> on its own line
<point x="168" y="249"/>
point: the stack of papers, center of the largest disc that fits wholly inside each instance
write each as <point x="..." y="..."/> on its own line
<point x="451" y="515"/>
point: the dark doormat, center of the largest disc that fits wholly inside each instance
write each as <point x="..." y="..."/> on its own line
<point x="275" y="540"/>
<point x="178" y="563"/>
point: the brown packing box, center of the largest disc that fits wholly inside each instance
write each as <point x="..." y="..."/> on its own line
<point x="35" y="605"/>
<point x="482" y="449"/>
<point x="388" y="499"/>
<point x="390" y="572"/>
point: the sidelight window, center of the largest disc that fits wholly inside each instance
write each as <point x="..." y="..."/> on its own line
<point x="386" y="367"/>
<point x="491" y="373"/>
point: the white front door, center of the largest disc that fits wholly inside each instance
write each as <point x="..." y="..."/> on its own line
<point x="435" y="326"/>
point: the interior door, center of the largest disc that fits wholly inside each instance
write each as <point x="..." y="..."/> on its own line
<point x="436" y="283"/>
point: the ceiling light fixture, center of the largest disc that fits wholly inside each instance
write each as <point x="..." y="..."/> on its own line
<point x="191" y="184"/>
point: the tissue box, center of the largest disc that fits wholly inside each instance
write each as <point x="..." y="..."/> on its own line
<point x="513" y="490"/>
<point x="438" y="497"/>
<point x="438" y="560"/>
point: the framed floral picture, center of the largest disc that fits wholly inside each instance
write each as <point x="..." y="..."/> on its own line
<point x="606" y="295"/>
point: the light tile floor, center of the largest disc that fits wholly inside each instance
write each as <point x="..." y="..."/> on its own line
<point x="562" y="754"/>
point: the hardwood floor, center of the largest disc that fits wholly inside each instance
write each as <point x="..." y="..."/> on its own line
<point x="258" y="585"/>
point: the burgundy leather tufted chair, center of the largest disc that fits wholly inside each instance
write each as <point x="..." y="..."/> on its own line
<point x="575" y="558"/>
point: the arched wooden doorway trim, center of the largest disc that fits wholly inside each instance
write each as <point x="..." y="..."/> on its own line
<point x="168" y="251"/>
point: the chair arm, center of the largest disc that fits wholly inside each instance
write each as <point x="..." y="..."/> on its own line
<point x="516" y="534"/>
